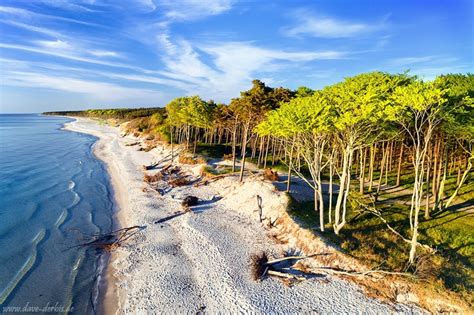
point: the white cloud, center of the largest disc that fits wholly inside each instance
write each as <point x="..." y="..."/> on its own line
<point x="32" y="28"/>
<point x="103" y="53"/>
<point x="183" y="10"/>
<point x="101" y="91"/>
<point x="232" y="66"/>
<point x="81" y="6"/>
<point x="57" y="44"/>
<point x="149" y="4"/>
<point x="327" y="27"/>
<point x="69" y="55"/>
<point x="34" y="15"/>
<point x="404" y="61"/>
<point x="14" y="65"/>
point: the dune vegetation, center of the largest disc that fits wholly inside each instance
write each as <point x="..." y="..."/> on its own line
<point x="389" y="158"/>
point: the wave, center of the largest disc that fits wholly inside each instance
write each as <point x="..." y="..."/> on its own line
<point x="71" y="184"/>
<point x="24" y="269"/>
<point x="72" y="279"/>
<point x="62" y="217"/>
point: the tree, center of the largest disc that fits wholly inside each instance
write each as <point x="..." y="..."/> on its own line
<point x="304" y="124"/>
<point x="458" y="121"/>
<point x="358" y="112"/>
<point x="418" y="108"/>
<point x="251" y="107"/>
<point x="303" y="91"/>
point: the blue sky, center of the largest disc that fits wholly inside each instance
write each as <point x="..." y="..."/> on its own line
<point x="78" y="54"/>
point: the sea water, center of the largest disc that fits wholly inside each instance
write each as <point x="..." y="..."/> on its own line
<point x="54" y="194"/>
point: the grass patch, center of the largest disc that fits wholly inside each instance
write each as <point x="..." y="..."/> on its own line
<point x="367" y="238"/>
<point x="216" y="151"/>
<point x="212" y="171"/>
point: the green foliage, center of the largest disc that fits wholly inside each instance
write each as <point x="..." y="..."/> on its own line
<point x="190" y="110"/>
<point x="359" y="105"/>
<point x="301" y="114"/>
<point x="459" y="118"/>
<point x="410" y="101"/>
<point x="303" y="91"/>
<point x="124" y="114"/>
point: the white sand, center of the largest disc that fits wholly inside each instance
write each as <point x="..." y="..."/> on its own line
<point x="200" y="260"/>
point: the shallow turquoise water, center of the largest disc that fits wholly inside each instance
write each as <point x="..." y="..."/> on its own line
<point x="52" y="193"/>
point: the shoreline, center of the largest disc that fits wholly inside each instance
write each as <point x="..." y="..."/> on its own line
<point x="108" y="302"/>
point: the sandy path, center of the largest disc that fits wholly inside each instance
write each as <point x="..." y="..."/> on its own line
<point x="200" y="261"/>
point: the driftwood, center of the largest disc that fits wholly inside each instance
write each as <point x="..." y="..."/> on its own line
<point x="132" y="144"/>
<point x="155" y="164"/>
<point x="353" y="273"/>
<point x="112" y="240"/>
<point x="174" y="215"/>
<point x="179" y="181"/>
<point x="284" y="275"/>
<point x="260" y="208"/>
<point x="262" y="266"/>
<point x="151" y="166"/>
<point x="152" y="178"/>
<point x="279" y="260"/>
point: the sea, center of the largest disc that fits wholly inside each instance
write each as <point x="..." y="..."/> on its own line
<point x="54" y="196"/>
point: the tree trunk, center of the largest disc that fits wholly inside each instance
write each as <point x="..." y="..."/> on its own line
<point x="390" y="164"/>
<point x="443" y="181"/>
<point x="427" y="208"/>
<point x="171" y="140"/>
<point x="437" y="183"/>
<point x="260" y="154"/>
<point x="362" y="171"/>
<point x="461" y="182"/>
<point x="244" y="149"/>
<point x="234" y="145"/>
<point x="399" y="169"/>
<point x="273" y="152"/>
<point x="382" y="167"/>
<point x="387" y="164"/>
<point x="195" y="139"/>
<point x="371" y="166"/>
<point x="331" y="173"/>
<point x="343" y="191"/>
<point x="188" y="136"/>
<point x="288" y="184"/>
<point x="435" y="168"/>
<point x="266" y="153"/>
<point x="417" y="193"/>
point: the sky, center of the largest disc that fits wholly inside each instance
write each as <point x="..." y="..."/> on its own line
<point x="80" y="54"/>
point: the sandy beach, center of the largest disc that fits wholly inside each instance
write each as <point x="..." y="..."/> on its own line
<point x="199" y="261"/>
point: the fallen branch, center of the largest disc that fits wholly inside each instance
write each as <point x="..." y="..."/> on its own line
<point x="176" y="214"/>
<point x="112" y="240"/>
<point x="288" y="258"/>
<point x="284" y="275"/>
<point x="155" y="164"/>
<point x="260" y="207"/>
<point x="335" y="271"/>
<point x="132" y="144"/>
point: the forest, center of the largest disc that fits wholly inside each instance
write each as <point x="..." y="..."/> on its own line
<point x="389" y="156"/>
